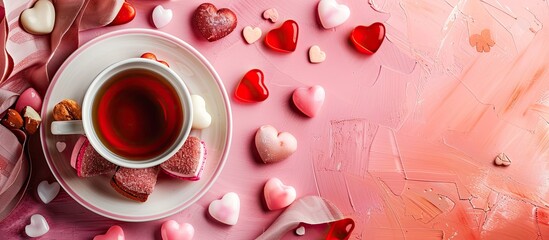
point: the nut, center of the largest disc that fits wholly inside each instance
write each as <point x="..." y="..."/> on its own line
<point x="31" y="119"/>
<point x="12" y="120"/>
<point x="66" y="110"/>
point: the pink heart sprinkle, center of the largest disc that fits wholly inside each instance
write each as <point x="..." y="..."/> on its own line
<point x="309" y="100"/>
<point x="278" y="195"/>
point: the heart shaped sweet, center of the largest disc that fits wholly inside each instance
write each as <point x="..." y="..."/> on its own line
<point x="251" y="35"/>
<point x="187" y="163"/>
<point x="47" y="191"/>
<point x="277" y="195"/>
<point x="252" y="87"/>
<point x="40" y="19"/>
<point x="125" y="15"/>
<point x="172" y="230"/>
<point x="151" y="56"/>
<point x="309" y="100"/>
<point x="316" y="55"/>
<point x="271" y="14"/>
<point x="60" y="146"/>
<point x="114" y="233"/>
<point x="227" y="209"/>
<point x="29" y="97"/>
<point x="502" y="160"/>
<point x="368" y="39"/>
<point x="161" y="16"/>
<point x="201" y="118"/>
<point x="300" y="231"/>
<point x="213" y="24"/>
<point x="332" y="14"/>
<point x="273" y="146"/>
<point x="37" y="227"/>
<point x="284" y="38"/>
<point x="87" y="162"/>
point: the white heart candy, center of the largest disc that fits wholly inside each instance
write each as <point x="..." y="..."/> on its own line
<point x="332" y="14"/>
<point x="251" y="35"/>
<point x="273" y="146"/>
<point x="40" y="19"/>
<point x="47" y="192"/>
<point x="37" y="227"/>
<point x="201" y="118"/>
<point x="161" y="16"/>
<point x="60" y="146"/>
<point x="227" y="209"/>
<point x="316" y="55"/>
<point x="300" y="231"/>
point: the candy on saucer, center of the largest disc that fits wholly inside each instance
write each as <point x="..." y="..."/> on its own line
<point x="67" y="109"/>
<point x="151" y="56"/>
<point x="201" y="118"/>
<point x="87" y="161"/>
<point x="188" y="162"/>
<point x="135" y="183"/>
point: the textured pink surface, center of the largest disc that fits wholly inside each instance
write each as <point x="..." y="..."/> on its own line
<point x="406" y="138"/>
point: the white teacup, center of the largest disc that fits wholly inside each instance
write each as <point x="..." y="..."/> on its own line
<point x="136" y="113"/>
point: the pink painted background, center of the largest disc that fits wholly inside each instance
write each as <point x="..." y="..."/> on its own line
<point x="405" y="141"/>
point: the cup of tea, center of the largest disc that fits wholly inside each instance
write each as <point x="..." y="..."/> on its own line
<point x="136" y="113"/>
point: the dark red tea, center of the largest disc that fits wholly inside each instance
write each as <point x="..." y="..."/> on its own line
<point x="137" y="114"/>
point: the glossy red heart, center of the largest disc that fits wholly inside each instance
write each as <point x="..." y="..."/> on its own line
<point x="284" y="38"/>
<point x="368" y="39"/>
<point x="125" y="15"/>
<point x="252" y="87"/>
<point x="213" y="24"/>
<point x="151" y="56"/>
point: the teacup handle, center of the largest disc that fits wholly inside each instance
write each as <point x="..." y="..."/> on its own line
<point x="67" y="127"/>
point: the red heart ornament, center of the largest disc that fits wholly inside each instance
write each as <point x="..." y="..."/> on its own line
<point x="125" y="15"/>
<point x="213" y="24"/>
<point x="252" y="87"/>
<point x="368" y="39"/>
<point x="284" y="38"/>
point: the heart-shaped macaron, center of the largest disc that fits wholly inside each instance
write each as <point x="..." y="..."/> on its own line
<point x="40" y="19"/>
<point x="29" y="97"/>
<point x="151" y="56"/>
<point x="273" y="146"/>
<point x="251" y="35"/>
<point x="213" y="24"/>
<point x="252" y="87"/>
<point x="125" y="15"/>
<point x="332" y="14"/>
<point x="309" y="100"/>
<point x="277" y="195"/>
<point x="284" y="38"/>
<point x="47" y="191"/>
<point x="227" y="209"/>
<point x="316" y="55"/>
<point x="38" y="226"/>
<point x="201" y="118"/>
<point x="114" y="233"/>
<point x="368" y="39"/>
<point x="271" y="14"/>
<point x="172" y="230"/>
<point x="161" y="16"/>
<point x="60" y="146"/>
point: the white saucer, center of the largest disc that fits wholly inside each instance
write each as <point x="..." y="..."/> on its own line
<point x="71" y="81"/>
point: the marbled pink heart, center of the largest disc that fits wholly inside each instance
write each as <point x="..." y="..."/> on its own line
<point x="227" y="209"/>
<point x="172" y="230"/>
<point x="277" y="195"/>
<point x="309" y="100"/>
<point x="114" y="233"/>
<point x="273" y="146"/>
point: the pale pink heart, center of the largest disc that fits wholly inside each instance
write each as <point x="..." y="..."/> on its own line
<point x="251" y="35"/>
<point x="316" y="55"/>
<point x="47" y="191"/>
<point x="37" y="227"/>
<point x="114" y="233"/>
<point x="309" y="100"/>
<point x="172" y="230"/>
<point x="332" y="14"/>
<point x="277" y="195"/>
<point x="273" y="146"/>
<point x="271" y="14"/>
<point x="60" y="146"/>
<point x="227" y="209"/>
<point x="161" y="16"/>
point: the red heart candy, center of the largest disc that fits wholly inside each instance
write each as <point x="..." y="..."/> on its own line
<point x="252" y="88"/>
<point x="125" y="15"/>
<point x="284" y="38"/>
<point x="213" y="24"/>
<point x="368" y="39"/>
<point x="151" y="56"/>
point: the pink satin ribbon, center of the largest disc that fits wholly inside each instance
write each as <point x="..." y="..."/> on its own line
<point x="22" y="66"/>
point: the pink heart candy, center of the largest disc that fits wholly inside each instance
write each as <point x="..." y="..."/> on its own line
<point x="114" y="233"/>
<point x="332" y="14"/>
<point x="29" y="97"/>
<point x="271" y="14"/>
<point x="273" y="146"/>
<point x="227" y="209"/>
<point x="309" y="100"/>
<point x="171" y="230"/>
<point x="277" y="195"/>
<point x="161" y="16"/>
